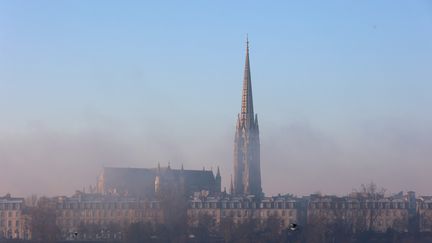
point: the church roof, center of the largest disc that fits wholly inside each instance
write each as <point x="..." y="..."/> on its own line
<point x="140" y="181"/>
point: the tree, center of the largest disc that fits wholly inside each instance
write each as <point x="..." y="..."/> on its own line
<point x="270" y="229"/>
<point x="369" y="193"/>
<point x="204" y="229"/>
<point x="227" y="229"/>
<point x="139" y="232"/>
<point x="174" y="205"/>
<point x="247" y="231"/>
<point x="43" y="221"/>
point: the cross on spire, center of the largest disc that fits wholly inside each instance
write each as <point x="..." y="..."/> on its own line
<point x="247" y="42"/>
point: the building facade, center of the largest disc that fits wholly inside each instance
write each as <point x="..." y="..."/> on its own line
<point x="147" y="182"/>
<point x="14" y="224"/>
<point x="247" y="170"/>
<point x="241" y="209"/>
<point x="89" y="216"/>
<point x="358" y="214"/>
<point x="352" y="213"/>
<point x="96" y="216"/>
<point x="424" y="208"/>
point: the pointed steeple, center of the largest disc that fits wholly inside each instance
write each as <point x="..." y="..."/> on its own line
<point x="247" y="174"/>
<point x="247" y="113"/>
<point x="218" y="180"/>
<point x="231" y="186"/>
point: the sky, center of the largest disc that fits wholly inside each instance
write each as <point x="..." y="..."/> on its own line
<point x="342" y="90"/>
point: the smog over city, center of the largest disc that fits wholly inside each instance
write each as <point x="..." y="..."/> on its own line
<point x="226" y="99"/>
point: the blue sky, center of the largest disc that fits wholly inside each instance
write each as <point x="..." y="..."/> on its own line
<point x="338" y="85"/>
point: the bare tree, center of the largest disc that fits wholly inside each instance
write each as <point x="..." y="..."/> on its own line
<point x="43" y="221"/>
<point x="174" y="204"/>
<point x="369" y="210"/>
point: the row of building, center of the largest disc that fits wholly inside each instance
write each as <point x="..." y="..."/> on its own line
<point x="94" y="215"/>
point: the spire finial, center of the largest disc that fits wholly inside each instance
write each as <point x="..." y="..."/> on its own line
<point x="247" y="42"/>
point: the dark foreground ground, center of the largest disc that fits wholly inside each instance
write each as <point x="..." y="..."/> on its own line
<point x="375" y="238"/>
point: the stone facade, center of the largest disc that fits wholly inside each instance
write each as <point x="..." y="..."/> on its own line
<point x="424" y="207"/>
<point x="242" y="209"/>
<point x="360" y="214"/>
<point x="96" y="216"/>
<point x="13" y="222"/>
<point x="354" y="213"/>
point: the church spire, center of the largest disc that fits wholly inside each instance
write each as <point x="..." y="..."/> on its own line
<point x="247" y="172"/>
<point x="247" y="113"/>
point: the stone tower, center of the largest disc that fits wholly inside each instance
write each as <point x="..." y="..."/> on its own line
<point x="247" y="171"/>
<point x="218" y="180"/>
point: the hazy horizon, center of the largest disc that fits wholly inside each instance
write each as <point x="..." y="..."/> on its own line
<point x="342" y="91"/>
